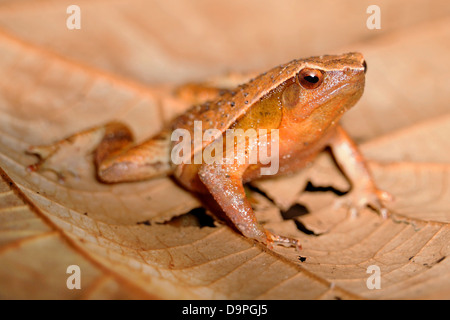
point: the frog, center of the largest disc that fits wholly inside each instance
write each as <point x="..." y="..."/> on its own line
<point x="302" y="101"/>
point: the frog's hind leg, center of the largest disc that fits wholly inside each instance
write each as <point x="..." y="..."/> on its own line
<point x="131" y="163"/>
<point x="116" y="158"/>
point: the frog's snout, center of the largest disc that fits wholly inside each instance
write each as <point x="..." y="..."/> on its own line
<point x="365" y="66"/>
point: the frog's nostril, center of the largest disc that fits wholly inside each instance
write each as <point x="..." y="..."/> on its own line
<point x="365" y="66"/>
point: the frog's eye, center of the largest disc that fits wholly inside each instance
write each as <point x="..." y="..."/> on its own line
<point x="310" y="78"/>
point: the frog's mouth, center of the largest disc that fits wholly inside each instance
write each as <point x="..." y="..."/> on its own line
<point x="337" y="102"/>
<point x="350" y="92"/>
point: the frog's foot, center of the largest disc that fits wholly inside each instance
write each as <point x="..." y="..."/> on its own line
<point x="54" y="158"/>
<point x="43" y="153"/>
<point x="357" y="199"/>
<point x="282" y="240"/>
<point x="66" y="157"/>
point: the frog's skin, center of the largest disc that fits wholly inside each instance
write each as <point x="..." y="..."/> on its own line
<point x="303" y="99"/>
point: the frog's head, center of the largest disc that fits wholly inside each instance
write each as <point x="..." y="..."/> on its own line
<point x="326" y="87"/>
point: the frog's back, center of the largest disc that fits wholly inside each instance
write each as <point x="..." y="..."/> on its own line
<point x="224" y="111"/>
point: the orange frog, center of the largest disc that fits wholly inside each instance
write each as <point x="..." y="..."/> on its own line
<point x="302" y="100"/>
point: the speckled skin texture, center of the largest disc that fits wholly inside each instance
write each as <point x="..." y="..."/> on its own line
<point x="233" y="104"/>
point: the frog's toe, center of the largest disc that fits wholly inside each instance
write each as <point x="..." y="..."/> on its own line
<point x="55" y="158"/>
<point x="376" y="200"/>
<point x="355" y="201"/>
<point x="43" y="153"/>
<point x="282" y="240"/>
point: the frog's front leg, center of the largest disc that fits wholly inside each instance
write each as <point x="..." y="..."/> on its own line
<point x="224" y="182"/>
<point x="364" y="192"/>
<point x="116" y="157"/>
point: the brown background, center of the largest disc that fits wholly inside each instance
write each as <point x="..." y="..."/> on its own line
<point x="57" y="81"/>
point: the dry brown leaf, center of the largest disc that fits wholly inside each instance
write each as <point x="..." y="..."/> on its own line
<point x="125" y="237"/>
